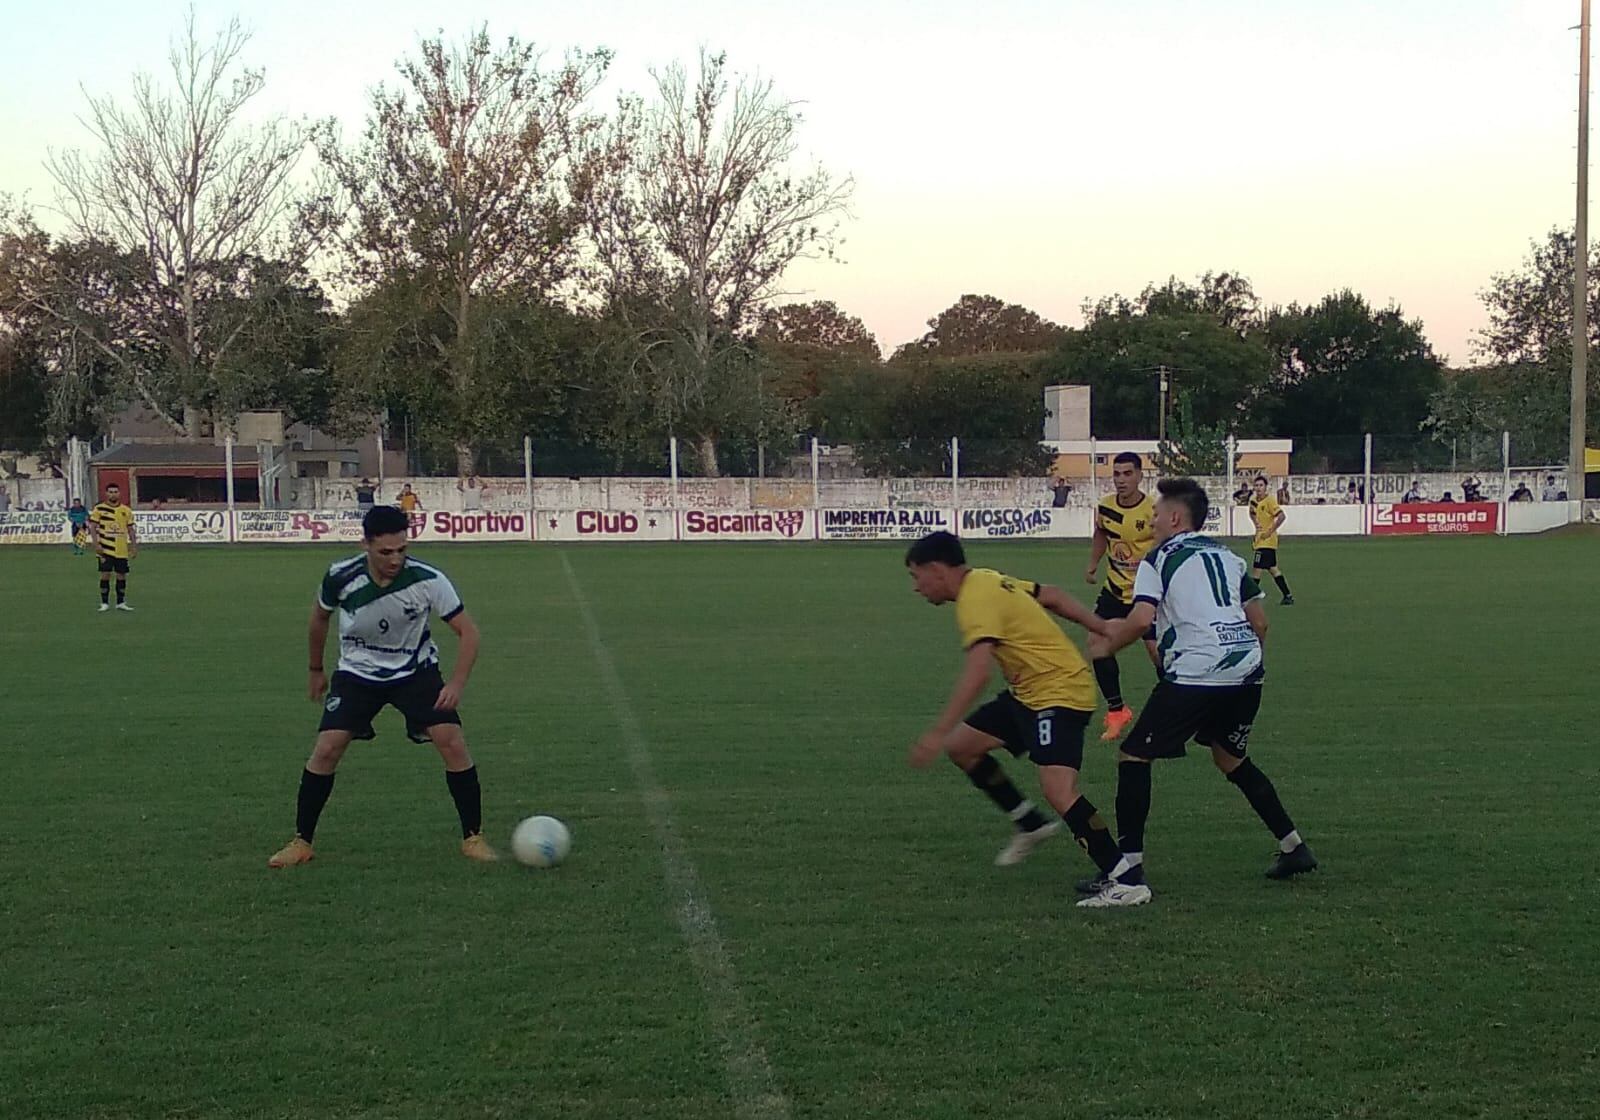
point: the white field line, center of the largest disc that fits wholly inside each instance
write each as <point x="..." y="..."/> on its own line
<point x="755" y="1090"/>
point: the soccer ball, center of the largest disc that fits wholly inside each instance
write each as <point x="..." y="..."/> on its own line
<point x="541" y="842"/>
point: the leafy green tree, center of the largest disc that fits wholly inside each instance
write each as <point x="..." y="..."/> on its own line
<point x="1192" y="448"/>
<point x="982" y="325"/>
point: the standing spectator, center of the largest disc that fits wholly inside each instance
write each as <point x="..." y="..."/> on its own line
<point x="1471" y="489"/>
<point x="1061" y="493"/>
<point x="1552" y="493"/>
<point x="1352" y="495"/>
<point x="5" y="500"/>
<point x="407" y="499"/>
<point x="471" y="493"/>
<point x="1283" y="492"/>
<point x="1415" y="493"/>
<point x="366" y="495"/>
<point x="1521" y="493"/>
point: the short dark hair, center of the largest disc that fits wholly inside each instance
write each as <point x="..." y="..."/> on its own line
<point x="1128" y="457"/>
<point x="937" y="548"/>
<point x="381" y="521"/>
<point x="1190" y="495"/>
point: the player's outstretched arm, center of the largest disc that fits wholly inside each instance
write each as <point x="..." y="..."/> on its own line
<point x="1062" y="605"/>
<point x="466" y="656"/>
<point x="975" y="670"/>
<point x="317" y="639"/>
<point x="1122" y="632"/>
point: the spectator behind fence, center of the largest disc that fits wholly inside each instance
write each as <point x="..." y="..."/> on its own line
<point x="1521" y="493"/>
<point x="407" y="499"/>
<point x="1283" y="492"/>
<point x="1552" y="493"/>
<point x="5" y="500"/>
<point x="1447" y="498"/>
<point x="1471" y="489"/>
<point x="366" y="495"/>
<point x="471" y="493"/>
<point x="1352" y="495"/>
<point x="1061" y="493"/>
<point x="1415" y="493"/>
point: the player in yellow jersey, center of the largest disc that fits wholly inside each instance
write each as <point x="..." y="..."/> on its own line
<point x="1269" y="518"/>
<point x="1124" y="530"/>
<point x="116" y="542"/>
<point x="1043" y="714"/>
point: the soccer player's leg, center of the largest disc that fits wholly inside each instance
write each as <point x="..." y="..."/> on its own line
<point x="1170" y="718"/>
<point x="427" y="724"/>
<point x="347" y="713"/>
<point x="1227" y="733"/>
<point x="971" y="746"/>
<point x="105" y="565"/>
<point x="1055" y="743"/>
<point x="1108" y="675"/>
<point x="120" y="567"/>
<point x="1266" y="560"/>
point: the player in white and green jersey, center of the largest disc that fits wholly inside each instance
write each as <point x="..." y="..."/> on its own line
<point x="385" y="601"/>
<point x="1210" y="624"/>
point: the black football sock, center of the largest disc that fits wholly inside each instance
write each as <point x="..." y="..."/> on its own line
<point x="991" y="780"/>
<point x="122" y="591"/>
<point x="1109" y="677"/>
<point x="105" y="593"/>
<point x="1090" y="830"/>
<point x="1133" y="807"/>
<point x="1258" y="790"/>
<point x="1283" y="585"/>
<point x="468" y="798"/>
<point x="314" y="791"/>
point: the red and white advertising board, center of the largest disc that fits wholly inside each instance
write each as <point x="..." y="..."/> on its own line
<point x="296" y="526"/>
<point x="479" y="525"/>
<point x="605" y="525"/>
<point x="747" y="525"/>
<point x="1435" y="517"/>
<point x="898" y="523"/>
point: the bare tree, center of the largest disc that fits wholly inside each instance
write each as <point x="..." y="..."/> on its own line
<point x="469" y="184"/>
<point x="176" y="220"/>
<point x="695" y="239"/>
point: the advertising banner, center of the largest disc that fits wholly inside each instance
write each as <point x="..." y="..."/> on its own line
<point x="747" y="525"/>
<point x="34" y="527"/>
<point x="605" y="525"/>
<point x="287" y="525"/>
<point x="1014" y="523"/>
<point x="480" y="525"/>
<point x="896" y="524"/>
<point x="1435" y="517"/>
<point x="175" y="526"/>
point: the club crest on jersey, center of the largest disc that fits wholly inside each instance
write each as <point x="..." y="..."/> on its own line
<point x="1139" y="525"/>
<point x="332" y="704"/>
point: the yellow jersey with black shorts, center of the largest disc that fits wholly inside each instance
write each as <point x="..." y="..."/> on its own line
<point x="114" y="541"/>
<point x="1130" y="535"/>
<point x="1046" y="708"/>
<point x="1264" y="512"/>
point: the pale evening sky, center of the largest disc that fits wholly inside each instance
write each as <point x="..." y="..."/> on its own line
<point x="1043" y="151"/>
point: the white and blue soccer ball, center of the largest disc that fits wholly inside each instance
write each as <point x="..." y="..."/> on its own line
<point x="541" y="842"/>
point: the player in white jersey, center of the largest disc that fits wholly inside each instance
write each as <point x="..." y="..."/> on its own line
<point x="1210" y="624"/>
<point x="385" y="600"/>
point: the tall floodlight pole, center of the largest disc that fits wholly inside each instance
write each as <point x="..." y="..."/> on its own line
<point x="1580" y="274"/>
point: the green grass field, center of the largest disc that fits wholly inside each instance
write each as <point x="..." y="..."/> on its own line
<point x="1429" y="721"/>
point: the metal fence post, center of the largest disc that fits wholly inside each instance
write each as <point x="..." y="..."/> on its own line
<point x="1366" y="506"/>
<point x="527" y="468"/>
<point x="816" y="474"/>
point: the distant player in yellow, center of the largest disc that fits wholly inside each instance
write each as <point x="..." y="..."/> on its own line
<point x="1269" y="518"/>
<point x="116" y="543"/>
<point x="1123" y="532"/>
<point x="1043" y="714"/>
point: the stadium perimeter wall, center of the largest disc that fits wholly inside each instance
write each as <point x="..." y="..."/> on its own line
<point x="156" y="527"/>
